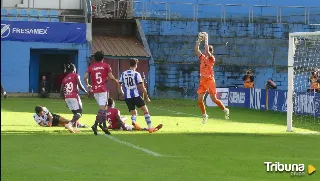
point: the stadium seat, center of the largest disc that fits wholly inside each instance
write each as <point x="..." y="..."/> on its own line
<point x="44" y="20"/>
<point x="23" y="13"/>
<point x="43" y="13"/>
<point x="24" y="19"/>
<point x="33" y="19"/>
<point x="33" y="13"/>
<point x="4" y="12"/>
<point x="13" y="19"/>
<point x="4" y="19"/>
<point x="54" y="19"/>
<point x="54" y="13"/>
<point x="13" y="12"/>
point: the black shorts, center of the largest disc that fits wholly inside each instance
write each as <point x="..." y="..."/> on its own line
<point x="55" y="120"/>
<point x="133" y="102"/>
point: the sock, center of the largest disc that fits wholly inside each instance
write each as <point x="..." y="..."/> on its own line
<point x="220" y="104"/>
<point x="100" y="115"/>
<point x="202" y="107"/>
<point x="95" y="124"/>
<point x="148" y="120"/>
<point x="75" y="119"/>
<point x="104" y="117"/>
<point x="133" y="119"/>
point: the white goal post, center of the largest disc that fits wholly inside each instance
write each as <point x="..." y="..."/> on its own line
<point x="291" y="56"/>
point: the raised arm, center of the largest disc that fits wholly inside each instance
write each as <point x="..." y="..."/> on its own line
<point x="196" y="48"/>
<point x="206" y="44"/>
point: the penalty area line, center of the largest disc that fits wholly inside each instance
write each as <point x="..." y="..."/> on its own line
<point x="134" y="146"/>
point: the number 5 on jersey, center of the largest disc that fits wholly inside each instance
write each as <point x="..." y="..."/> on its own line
<point x="98" y="78"/>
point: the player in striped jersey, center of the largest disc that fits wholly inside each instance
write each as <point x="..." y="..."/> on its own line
<point x="45" y="118"/>
<point x="132" y="86"/>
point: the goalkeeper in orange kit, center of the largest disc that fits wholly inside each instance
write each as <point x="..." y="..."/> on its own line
<point x="207" y="81"/>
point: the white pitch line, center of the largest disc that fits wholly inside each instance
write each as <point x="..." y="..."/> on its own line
<point x="177" y="112"/>
<point x="134" y="146"/>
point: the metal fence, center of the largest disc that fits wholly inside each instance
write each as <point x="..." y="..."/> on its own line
<point x="121" y="9"/>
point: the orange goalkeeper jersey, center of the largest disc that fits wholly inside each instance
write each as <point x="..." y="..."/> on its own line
<point x="206" y="66"/>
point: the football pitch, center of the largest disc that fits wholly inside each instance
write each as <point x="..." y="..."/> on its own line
<point x="183" y="150"/>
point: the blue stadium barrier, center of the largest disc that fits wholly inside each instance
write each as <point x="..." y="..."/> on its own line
<point x="54" y="13"/>
<point x="23" y="13"/>
<point x="43" y="13"/>
<point x="13" y="12"/>
<point x="4" y="12"/>
<point x="33" y="13"/>
<point x="44" y="20"/>
<point x="304" y="103"/>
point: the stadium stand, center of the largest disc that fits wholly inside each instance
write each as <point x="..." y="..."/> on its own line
<point x="24" y="19"/>
<point x="13" y="12"/>
<point x="43" y="13"/>
<point x="33" y="19"/>
<point x="54" y="13"/>
<point x="23" y="13"/>
<point x="13" y="19"/>
<point x="45" y="20"/>
<point x="4" y="12"/>
<point x="54" y="20"/>
<point x="33" y="13"/>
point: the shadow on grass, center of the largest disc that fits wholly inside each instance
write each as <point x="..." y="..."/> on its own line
<point x="172" y="108"/>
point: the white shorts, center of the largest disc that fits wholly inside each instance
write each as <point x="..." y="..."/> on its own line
<point x="101" y="98"/>
<point x="74" y="103"/>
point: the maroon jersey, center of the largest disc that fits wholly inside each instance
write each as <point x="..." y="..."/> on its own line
<point x="112" y="118"/>
<point x="70" y="86"/>
<point x="99" y="75"/>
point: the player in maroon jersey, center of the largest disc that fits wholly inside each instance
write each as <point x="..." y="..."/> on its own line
<point x="117" y="123"/>
<point x="100" y="72"/>
<point x="70" y="92"/>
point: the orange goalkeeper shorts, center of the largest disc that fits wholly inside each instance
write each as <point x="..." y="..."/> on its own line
<point x="207" y="84"/>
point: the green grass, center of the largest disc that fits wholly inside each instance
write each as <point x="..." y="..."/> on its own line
<point x="219" y="150"/>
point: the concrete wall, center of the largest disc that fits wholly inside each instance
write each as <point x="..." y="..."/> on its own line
<point x="15" y="61"/>
<point x="238" y="46"/>
<point x="179" y="10"/>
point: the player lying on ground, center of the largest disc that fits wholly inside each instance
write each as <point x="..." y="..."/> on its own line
<point x="44" y="118"/>
<point x="99" y="72"/>
<point x="116" y="122"/>
<point x="70" y="92"/>
<point x="207" y="81"/>
<point x="131" y="87"/>
<point x="3" y="92"/>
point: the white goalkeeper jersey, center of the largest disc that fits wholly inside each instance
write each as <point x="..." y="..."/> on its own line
<point x="130" y="80"/>
<point x="42" y="119"/>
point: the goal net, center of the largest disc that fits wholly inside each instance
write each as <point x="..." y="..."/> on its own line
<point x="303" y="109"/>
